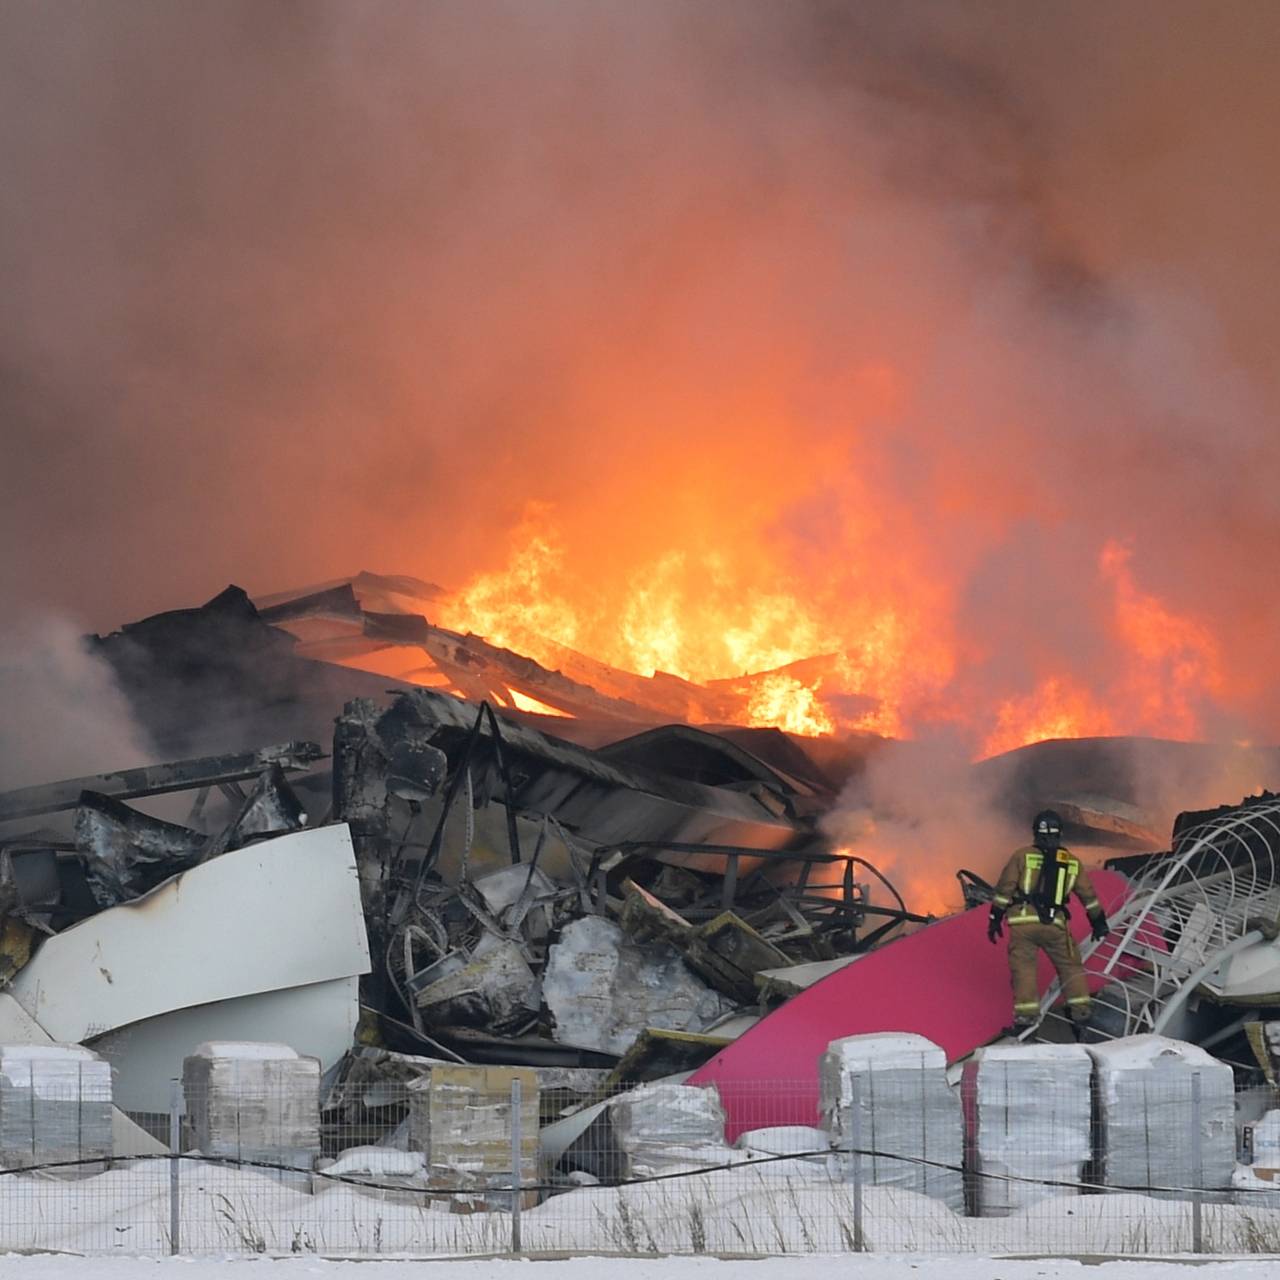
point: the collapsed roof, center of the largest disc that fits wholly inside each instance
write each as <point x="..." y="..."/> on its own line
<point x="595" y="887"/>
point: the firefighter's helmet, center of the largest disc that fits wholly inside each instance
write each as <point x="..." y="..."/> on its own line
<point x="1047" y="828"/>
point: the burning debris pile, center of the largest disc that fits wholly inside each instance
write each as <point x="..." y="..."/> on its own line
<point x="419" y="870"/>
<point x="436" y="878"/>
<point x="536" y="901"/>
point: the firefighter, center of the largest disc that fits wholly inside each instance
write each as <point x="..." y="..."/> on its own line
<point x="1033" y="890"/>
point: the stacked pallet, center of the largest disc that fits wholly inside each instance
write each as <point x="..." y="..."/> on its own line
<point x="887" y="1094"/>
<point x="55" y="1107"/>
<point x="1029" y="1113"/>
<point x="253" y="1102"/>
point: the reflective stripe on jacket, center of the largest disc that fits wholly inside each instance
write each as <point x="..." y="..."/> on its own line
<point x="1021" y="875"/>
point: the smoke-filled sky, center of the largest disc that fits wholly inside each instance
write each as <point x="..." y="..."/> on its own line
<point x="954" y="318"/>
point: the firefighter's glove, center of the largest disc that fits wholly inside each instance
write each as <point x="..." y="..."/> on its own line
<point x="1100" y="926"/>
<point x="995" y="924"/>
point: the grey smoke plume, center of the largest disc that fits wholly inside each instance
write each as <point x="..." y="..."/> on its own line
<point x="64" y="716"/>
<point x="919" y="814"/>
<point x="296" y="288"/>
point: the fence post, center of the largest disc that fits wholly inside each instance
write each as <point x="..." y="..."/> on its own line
<point x="516" y="1190"/>
<point x="855" y="1137"/>
<point x="175" y="1184"/>
<point x="1197" y="1167"/>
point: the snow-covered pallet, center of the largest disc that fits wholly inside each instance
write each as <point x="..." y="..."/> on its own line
<point x="888" y="1095"/>
<point x="1029" y="1120"/>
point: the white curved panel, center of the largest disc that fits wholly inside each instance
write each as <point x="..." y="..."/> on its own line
<point x="281" y="913"/>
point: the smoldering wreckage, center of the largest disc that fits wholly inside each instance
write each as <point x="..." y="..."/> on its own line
<point x="416" y="875"/>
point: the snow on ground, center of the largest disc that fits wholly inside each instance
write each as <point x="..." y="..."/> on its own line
<point x="865" y="1267"/>
<point x="754" y="1209"/>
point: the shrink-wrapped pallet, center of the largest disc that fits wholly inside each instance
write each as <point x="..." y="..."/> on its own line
<point x="887" y="1094"/>
<point x="662" y="1128"/>
<point x="55" y="1107"/>
<point x="251" y="1101"/>
<point x="788" y="1151"/>
<point x="1145" y="1139"/>
<point x="1029" y="1117"/>
<point x="461" y="1119"/>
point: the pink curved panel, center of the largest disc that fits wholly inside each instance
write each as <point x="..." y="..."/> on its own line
<point x="946" y="982"/>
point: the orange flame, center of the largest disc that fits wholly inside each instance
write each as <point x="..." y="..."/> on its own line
<point x="925" y="891"/>
<point x="783" y="701"/>
<point x="685" y="613"/>
<point x="878" y="657"/>
<point x="1170" y="664"/>
<point x="694" y="616"/>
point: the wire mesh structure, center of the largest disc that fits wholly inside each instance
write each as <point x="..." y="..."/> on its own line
<point x="1185" y="920"/>
<point x="1025" y="1153"/>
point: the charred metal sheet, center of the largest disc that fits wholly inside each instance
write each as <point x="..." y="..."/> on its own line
<point x="520" y="897"/>
<point x="973" y="888"/>
<point x="270" y="809"/>
<point x="604" y="803"/>
<point x="360" y="765"/>
<point x="681" y="751"/>
<point x="523" y="1050"/>
<point x="416" y="771"/>
<point x="439" y="710"/>
<point x="397" y="628"/>
<point x="282" y="913"/>
<point x="336" y="602"/>
<point x="157" y="779"/>
<point x="29" y="883"/>
<point x="1109" y="821"/>
<point x="492" y="991"/>
<point x="782" y="754"/>
<point x="125" y="852"/>
<point x="374" y="1078"/>
<point x="376" y="755"/>
<point x="379" y="591"/>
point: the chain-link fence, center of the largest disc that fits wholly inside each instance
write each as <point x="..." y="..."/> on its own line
<point x="1025" y="1155"/>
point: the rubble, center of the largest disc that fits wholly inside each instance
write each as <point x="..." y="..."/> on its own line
<point x="726" y="952"/>
<point x="602" y="990"/>
<point x="493" y="990"/>
<point x="158" y="780"/>
<point x="597" y="901"/>
<point x="125" y="852"/>
<point x="485" y="850"/>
